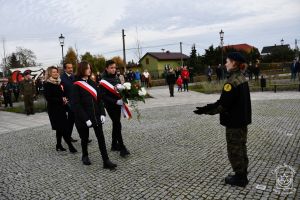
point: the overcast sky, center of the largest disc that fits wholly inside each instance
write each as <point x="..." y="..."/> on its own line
<point x="95" y="25"/>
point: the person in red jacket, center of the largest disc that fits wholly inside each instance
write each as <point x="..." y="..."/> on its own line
<point x="179" y="83"/>
<point x="185" y="77"/>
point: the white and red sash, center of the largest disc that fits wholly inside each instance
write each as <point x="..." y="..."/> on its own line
<point x="124" y="108"/>
<point x="87" y="87"/>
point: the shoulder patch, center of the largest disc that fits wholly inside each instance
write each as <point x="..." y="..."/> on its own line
<point x="227" y="87"/>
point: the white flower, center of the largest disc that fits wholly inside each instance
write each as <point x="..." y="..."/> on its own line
<point x="120" y="87"/>
<point x="127" y="86"/>
<point x="142" y="92"/>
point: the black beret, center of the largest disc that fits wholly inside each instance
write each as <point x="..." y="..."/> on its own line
<point x="236" y="56"/>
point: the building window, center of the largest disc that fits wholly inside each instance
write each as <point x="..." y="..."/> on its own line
<point x="147" y="61"/>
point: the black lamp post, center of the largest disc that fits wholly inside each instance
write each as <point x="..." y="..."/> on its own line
<point x="221" y="44"/>
<point x="62" y="42"/>
<point x="282" y="41"/>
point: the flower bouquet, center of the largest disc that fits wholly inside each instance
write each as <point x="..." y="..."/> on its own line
<point x="132" y="92"/>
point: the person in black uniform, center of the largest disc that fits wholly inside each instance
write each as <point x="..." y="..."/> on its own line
<point x="89" y="112"/>
<point x="113" y="107"/>
<point x="67" y="79"/>
<point x="234" y="107"/>
<point x="6" y="89"/>
<point x="55" y="107"/>
<point x="171" y="80"/>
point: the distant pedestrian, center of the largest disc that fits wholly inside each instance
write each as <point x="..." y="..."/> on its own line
<point x="6" y="90"/>
<point x="219" y="73"/>
<point x="147" y="78"/>
<point x="179" y="82"/>
<point x="27" y="90"/>
<point x="209" y="73"/>
<point x="137" y="77"/>
<point x="294" y="69"/>
<point x="171" y="79"/>
<point x="185" y="75"/>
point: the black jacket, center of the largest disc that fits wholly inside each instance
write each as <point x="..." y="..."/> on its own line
<point x="109" y="99"/>
<point x="55" y="105"/>
<point x="84" y="106"/>
<point x="234" y="104"/>
<point x="171" y="78"/>
<point x="67" y="82"/>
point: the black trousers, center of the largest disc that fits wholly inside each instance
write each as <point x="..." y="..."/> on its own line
<point x="7" y="100"/>
<point x="171" y="89"/>
<point x="84" y="135"/>
<point x="62" y="134"/>
<point x="185" y="84"/>
<point x="71" y="121"/>
<point x="114" y="113"/>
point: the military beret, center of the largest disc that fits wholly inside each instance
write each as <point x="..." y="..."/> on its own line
<point x="26" y="73"/>
<point x="236" y="56"/>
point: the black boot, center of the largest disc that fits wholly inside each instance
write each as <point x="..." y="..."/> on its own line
<point x="72" y="148"/>
<point x="109" y="165"/>
<point x="237" y="180"/>
<point x="124" y="152"/>
<point x="86" y="160"/>
<point x="59" y="147"/>
<point x="115" y="147"/>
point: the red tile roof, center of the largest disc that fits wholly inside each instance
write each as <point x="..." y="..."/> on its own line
<point x="244" y="47"/>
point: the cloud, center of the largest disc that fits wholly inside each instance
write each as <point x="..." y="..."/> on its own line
<point x="95" y="26"/>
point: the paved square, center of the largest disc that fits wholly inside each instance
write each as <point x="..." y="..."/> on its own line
<point x="174" y="155"/>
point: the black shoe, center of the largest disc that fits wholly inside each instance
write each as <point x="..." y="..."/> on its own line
<point x="89" y="141"/>
<point x="115" y="148"/>
<point x="72" y="149"/>
<point x="60" y="148"/>
<point x="86" y="160"/>
<point x="124" y="152"/>
<point x="73" y="140"/>
<point x="237" y="180"/>
<point x="109" y="165"/>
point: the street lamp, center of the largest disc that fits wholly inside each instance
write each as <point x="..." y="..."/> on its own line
<point x="221" y="44"/>
<point x="282" y="41"/>
<point x="61" y="39"/>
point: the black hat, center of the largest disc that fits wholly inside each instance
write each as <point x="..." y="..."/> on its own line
<point x="26" y="72"/>
<point x="236" y="56"/>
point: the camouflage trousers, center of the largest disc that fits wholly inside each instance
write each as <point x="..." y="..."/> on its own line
<point x="28" y="102"/>
<point x="237" y="150"/>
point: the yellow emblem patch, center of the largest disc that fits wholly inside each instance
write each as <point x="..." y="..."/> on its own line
<point x="227" y="87"/>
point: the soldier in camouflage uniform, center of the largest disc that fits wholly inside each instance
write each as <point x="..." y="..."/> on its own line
<point x="27" y="90"/>
<point x="234" y="107"/>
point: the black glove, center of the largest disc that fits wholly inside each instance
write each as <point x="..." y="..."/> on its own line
<point x="200" y="110"/>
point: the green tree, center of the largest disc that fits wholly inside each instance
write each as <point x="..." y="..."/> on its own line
<point x="26" y="57"/>
<point x="13" y="62"/>
<point x="96" y="61"/>
<point x="71" y="57"/>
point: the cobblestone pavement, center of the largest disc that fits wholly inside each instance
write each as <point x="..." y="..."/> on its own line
<point x="174" y="155"/>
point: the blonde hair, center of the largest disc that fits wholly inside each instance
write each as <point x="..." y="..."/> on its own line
<point x="49" y="71"/>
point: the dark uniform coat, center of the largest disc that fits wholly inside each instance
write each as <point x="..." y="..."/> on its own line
<point x="85" y="106"/>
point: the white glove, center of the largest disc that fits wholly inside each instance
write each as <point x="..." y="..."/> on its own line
<point x="102" y="118"/>
<point x="88" y="123"/>
<point x="120" y="87"/>
<point x="120" y="102"/>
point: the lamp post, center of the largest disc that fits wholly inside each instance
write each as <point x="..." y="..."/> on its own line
<point x="61" y="39"/>
<point x="221" y="44"/>
<point x="282" y="41"/>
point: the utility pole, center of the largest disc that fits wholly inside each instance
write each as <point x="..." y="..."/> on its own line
<point x="4" y="57"/>
<point x="181" y="54"/>
<point x="124" y="53"/>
